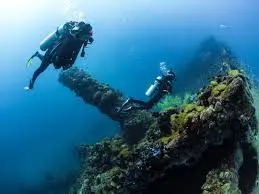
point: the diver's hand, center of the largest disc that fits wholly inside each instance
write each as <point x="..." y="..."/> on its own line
<point x="90" y="40"/>
<point x="166" y="92"/>
<point x="83" y="54"/>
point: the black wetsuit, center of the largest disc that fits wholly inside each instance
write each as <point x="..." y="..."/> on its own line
<point x="164" y="88"/>
<point x="62" y="53"/>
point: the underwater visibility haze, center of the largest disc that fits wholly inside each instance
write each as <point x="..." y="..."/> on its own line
<point x="41" y="130"/>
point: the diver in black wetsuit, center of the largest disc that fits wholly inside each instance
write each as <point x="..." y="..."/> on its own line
<point x="62" y="47"/>
<point x="161" y="87"/>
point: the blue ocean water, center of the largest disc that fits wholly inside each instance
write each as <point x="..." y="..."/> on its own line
<point x="40" y="129"/>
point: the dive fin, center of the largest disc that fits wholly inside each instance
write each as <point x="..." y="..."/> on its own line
<point x="29" y="62"/>
<point x="30" y="87"/>
<point x="26" y="88"/>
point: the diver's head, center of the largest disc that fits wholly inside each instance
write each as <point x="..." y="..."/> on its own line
<point x="171" y="75"/>
<point x="83" y="31"/>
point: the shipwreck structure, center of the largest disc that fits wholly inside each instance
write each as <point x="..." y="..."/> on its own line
<point x="204" y="147"/>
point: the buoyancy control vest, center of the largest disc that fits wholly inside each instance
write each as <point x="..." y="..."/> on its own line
<point x="54" y="36"/>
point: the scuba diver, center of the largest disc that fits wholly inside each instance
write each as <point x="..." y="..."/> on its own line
<point x="62" y="47"/>
<point x="161" y="87"/>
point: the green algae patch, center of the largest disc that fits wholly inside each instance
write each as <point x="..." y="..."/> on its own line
<point x="218" y="89"/>
<point x="176" y="101"/>
<point x="179" y="121"/>
<point x="221" y="181"/>
<point x="112" y="172"/>
<point x="116" y="144"/>
<point x="213" y="83"/>
<point x="192" y="107"/>
<point x="107" y="182"/>
<point x="233" y="73"/>
<point x="125" y="153"/>
<point x="167" y="139"/>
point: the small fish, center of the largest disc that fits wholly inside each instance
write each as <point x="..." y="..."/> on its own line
<point x="223" y="26"/>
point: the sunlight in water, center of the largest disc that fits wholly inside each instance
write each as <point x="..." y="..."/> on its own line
<point x="72" y="11"/>
<point x="13" y="10"/>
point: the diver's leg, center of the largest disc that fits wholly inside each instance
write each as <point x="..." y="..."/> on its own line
<point x="41" y="69"/>
<point x="139" y="104"/>
<point x="153" y="101"/>
<point x="119" y="109"/>
<point x="36" y="54"/>
<point x="40" y="56"/>
<point x="134" y="108"/>
<point x="132" y="100"/>
<point x="124" y="104"/>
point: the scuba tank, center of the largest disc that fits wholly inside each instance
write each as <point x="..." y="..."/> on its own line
<point x="52" y="37"/>
<point x="153" y="87"/>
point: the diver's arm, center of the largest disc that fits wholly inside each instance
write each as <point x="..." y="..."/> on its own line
<point x="170" y="90"/>
<point x="74" y="55"/>
<point x="83" y="49"/>
<point x="166" y="87"/>
<point x="86" y="42"/>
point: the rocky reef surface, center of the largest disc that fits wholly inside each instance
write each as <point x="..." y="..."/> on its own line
<point x="203" y="147"/>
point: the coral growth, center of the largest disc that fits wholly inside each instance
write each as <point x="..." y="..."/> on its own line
<point x="93" y="92"/>
<point x="158" y="151"/>
<point x="115" y="167"/>
<point x="224" y="179"/>
<point x="190" y="112"/>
